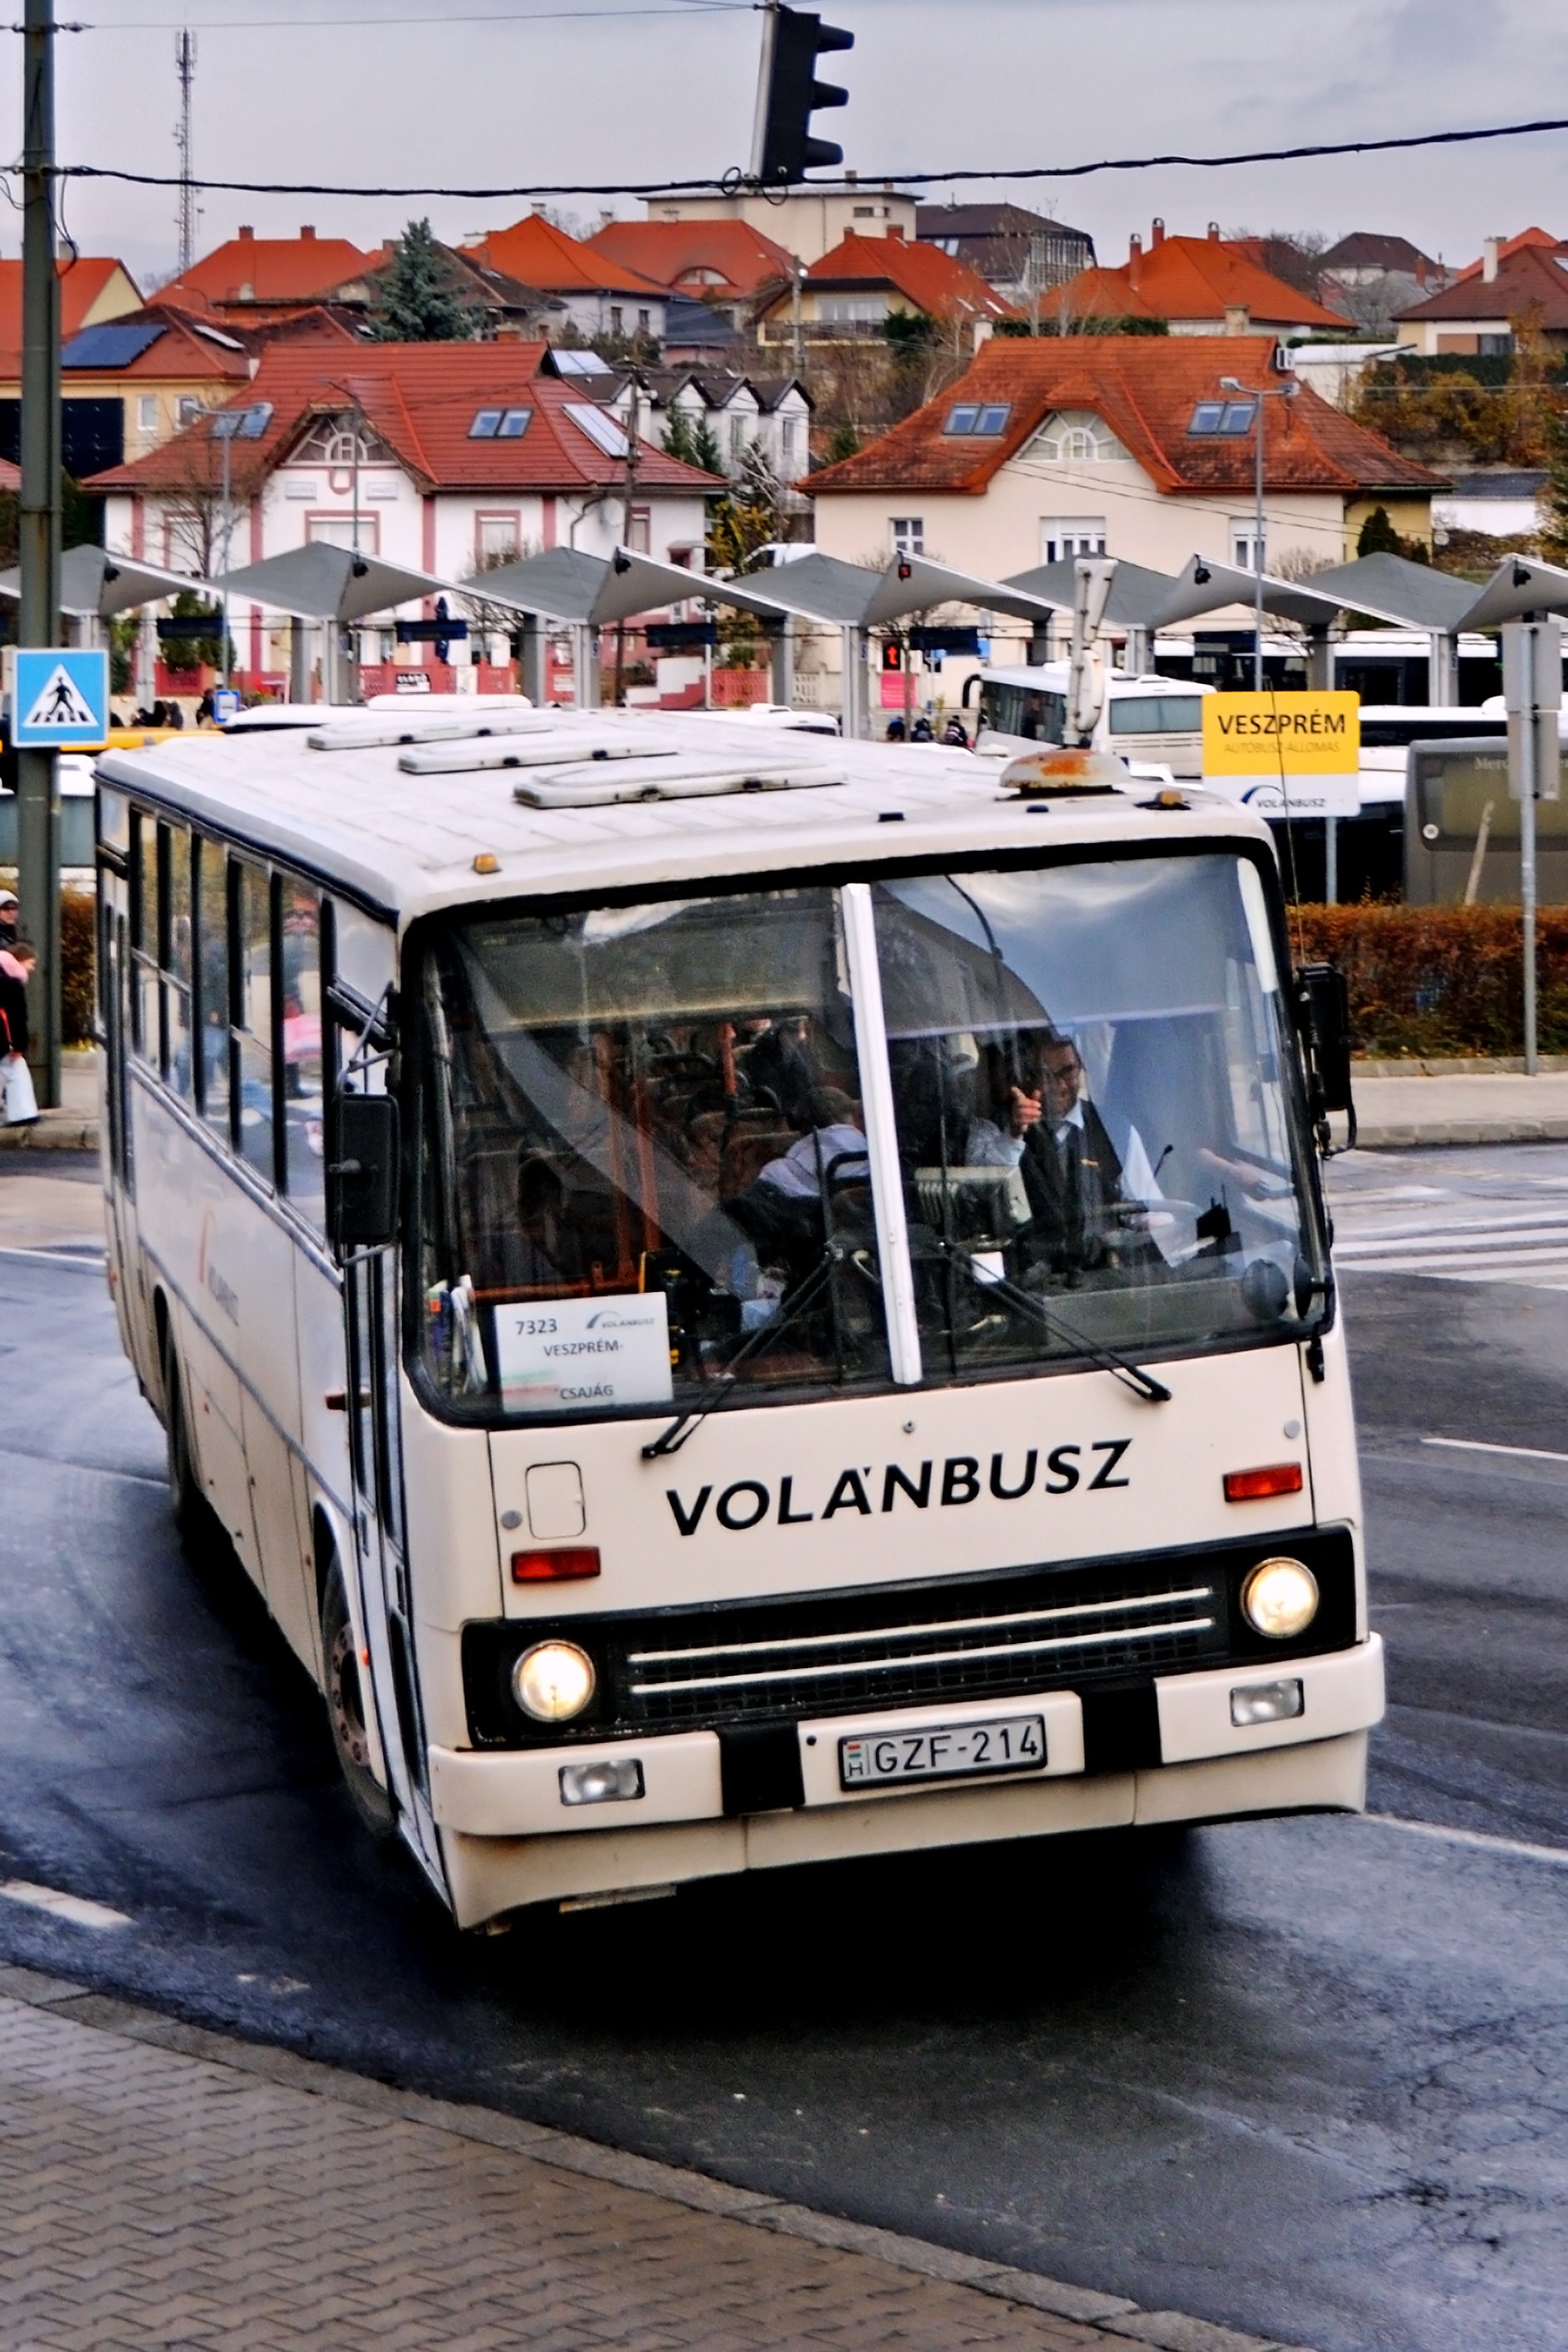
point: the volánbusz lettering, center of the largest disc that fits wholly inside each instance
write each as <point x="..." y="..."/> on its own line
<point x="950" y="1485"/>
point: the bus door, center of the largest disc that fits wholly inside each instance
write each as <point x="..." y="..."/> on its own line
<point x="370" y="1289"/>
<point x="114" y="1012"/>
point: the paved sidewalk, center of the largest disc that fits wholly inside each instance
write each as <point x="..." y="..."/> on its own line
<point x="163" y="2186"/>
<point x="74" y="1126"/>
<point x="1473" y="1107"/>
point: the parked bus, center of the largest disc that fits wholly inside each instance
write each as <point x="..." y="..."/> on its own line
<point x="1153" y="720"/>
<point x="742" y="1303"/>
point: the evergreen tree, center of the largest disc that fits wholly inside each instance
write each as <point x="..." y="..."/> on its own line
<point x="845" y="443"/>
<point x="691" y="440"/>
<point x="1554" y="497"/>
<point x="1378" y="536"/>
<point x="420" y="297"/>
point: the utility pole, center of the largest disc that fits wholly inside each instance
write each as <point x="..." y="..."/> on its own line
<point x="185" y="220"/>
<point x="1261" y="397"/>
<point x="38" y="616"/>
<point x="1533" y="691"/>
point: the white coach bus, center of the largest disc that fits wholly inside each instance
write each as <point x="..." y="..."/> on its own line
<point x="741" y="1305"/>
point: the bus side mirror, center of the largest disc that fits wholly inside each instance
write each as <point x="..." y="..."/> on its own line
<point x="1323" y="1012"/>
<point x="363" y="1181"/>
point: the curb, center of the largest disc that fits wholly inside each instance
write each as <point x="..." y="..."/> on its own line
<point x="1409" y="1135"/>
<point x="53" y="1130"/>
<point x="1112" y="2315"/>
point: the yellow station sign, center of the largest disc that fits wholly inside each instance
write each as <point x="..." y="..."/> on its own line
<point x="1271" y="735"/>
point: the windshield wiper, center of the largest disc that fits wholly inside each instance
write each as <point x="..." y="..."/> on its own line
<point x="1131" y="1375"/>
<point x="835" y="1253"/>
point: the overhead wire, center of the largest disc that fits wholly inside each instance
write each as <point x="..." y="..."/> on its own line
<point x="730" y="182"/>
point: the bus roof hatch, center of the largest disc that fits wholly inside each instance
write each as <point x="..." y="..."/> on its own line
<point x="592" y="784"/>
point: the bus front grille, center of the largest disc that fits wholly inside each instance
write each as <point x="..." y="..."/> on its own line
<point x="975" y="1654"/>
<point x="1110" y="1624"/>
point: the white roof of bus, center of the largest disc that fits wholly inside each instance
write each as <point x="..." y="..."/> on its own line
<point x="406" y="843"/>
<point x="1053" y="677"/>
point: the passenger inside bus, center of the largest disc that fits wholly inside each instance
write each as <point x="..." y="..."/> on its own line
<point x="669" y="1097"/>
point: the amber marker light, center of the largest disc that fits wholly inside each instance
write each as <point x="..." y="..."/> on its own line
<point x="554" y="1567"/>
<point x="1254" y="1485"/>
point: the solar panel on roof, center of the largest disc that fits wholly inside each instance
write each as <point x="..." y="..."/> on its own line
<point x="108" y="347"/>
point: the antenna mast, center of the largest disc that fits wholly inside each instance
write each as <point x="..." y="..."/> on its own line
<point x="184" y="65"/>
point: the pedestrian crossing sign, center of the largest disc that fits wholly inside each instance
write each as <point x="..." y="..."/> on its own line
<point x="59" y="697"/>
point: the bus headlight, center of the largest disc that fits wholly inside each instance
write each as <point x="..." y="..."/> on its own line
<point x="1280" y="1598"/>
<point x="554" y="1681"/>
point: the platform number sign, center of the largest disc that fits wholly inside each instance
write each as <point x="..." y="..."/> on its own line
<point x="60" y="699"/>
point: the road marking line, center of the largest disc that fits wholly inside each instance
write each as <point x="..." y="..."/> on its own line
<point x="1558" y="1855"/>
<point x="94" y="1265"/>
<point x="76" y="1908"/>
<point x="1479" y="1445"/>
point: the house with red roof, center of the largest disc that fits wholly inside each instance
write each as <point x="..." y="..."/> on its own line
<point x="1517" y="280"/>
<point x="1129" y="446"/>
<point x="128" y="384"/>
<point x="1189" y="286"/>
<point x="446" y="457"/>
<point x="853" y="291"/>
<point x="249" y="276"/>
<point x="94" y="289"/>
<point x="598" y="293"/>
<point x="726" y="263"/>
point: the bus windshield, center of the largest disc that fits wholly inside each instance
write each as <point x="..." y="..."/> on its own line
<point x="645" y="1177"/>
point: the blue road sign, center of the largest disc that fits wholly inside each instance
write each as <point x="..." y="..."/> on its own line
<point x="225" y="704"/>
<point x="60" y="699"/>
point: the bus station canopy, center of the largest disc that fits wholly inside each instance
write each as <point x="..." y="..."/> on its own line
<point x="1208" y="585"/>
<point x="1520" y="584"/>
<point x="96" y="584"/>
<point x="325" y="583"/>
<point x="1136" y="593"/>
<point x="1389" y="588"/>
<point x="913" y="583"/>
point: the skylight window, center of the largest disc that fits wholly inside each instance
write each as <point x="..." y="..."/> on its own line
<point x="513" y="425"/>
<point x="602" y="430"/>
<point x="975" y="417"/>
<point x="243" y="424"/>
<point x="1222" y="420"/>
<point x="486" y="425"/>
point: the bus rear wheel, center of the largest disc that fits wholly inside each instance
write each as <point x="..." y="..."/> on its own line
<point x="342" y="1673"/>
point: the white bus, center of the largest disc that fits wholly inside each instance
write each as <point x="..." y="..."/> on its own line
<point x="743" y="1304"/>
<point x="1152" y="720"/>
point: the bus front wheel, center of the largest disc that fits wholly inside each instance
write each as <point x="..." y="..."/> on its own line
<point x="342" y="1672"/>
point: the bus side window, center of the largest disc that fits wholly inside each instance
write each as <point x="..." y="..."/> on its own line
<point x="253" y="1016"/>
<point x="301" y="983"/>
<point x="144" y="929"/>
<point x="211" y="967"/>
<point x="176" y="960"/>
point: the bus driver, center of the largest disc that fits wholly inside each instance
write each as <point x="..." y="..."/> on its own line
<point x="1041" y="1121"/>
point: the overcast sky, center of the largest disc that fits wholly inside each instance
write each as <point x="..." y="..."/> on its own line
<point x="391" y="92"/>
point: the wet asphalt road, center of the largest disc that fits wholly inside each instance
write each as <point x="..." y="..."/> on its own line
<point x="1308" y="2078"/>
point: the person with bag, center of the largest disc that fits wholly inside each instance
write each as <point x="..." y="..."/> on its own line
<point x="16" y="970"/>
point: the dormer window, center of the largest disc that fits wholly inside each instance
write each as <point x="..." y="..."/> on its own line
<point x="1078" y="438"/>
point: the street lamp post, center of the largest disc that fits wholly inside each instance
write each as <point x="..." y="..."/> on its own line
<point x="1282" y="392"/>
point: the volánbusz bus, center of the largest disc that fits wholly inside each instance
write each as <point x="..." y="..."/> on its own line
<point x="741" y="1305"/>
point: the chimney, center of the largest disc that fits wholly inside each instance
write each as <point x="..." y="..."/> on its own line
<point x="896" y="229"/>
<point x="1214" y="232"/>
<point x="1238" y="318"/>
<point x="1156" y="236"/>
<point x="1489" y="261"/>
<point x="307" y="233"/>
<point x="247" y="233"/>
<point x="389" y="244"/>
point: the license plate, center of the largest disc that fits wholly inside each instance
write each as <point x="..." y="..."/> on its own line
<point x="942" y="1752"/>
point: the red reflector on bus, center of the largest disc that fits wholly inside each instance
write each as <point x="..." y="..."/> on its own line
<point x="1251" y="1486"/>
<point x="553" y="1567"/>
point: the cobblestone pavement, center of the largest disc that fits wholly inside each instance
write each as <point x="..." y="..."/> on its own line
<point x="161" y="2186"/>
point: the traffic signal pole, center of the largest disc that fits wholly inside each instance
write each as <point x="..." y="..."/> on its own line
<point x="38" y="617"/>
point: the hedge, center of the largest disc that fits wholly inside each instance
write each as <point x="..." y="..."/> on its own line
<point x="1440" y="980"/>
<point x="1423" y="980"/>
<point x="79" y="922"/>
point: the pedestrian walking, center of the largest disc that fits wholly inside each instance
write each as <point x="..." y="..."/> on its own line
<point x="10" y="914"/>
<point x="17" y="963"/>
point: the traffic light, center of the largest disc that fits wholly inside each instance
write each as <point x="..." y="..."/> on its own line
<point x="892" y="654"/>
<point x="787" y="95"/>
